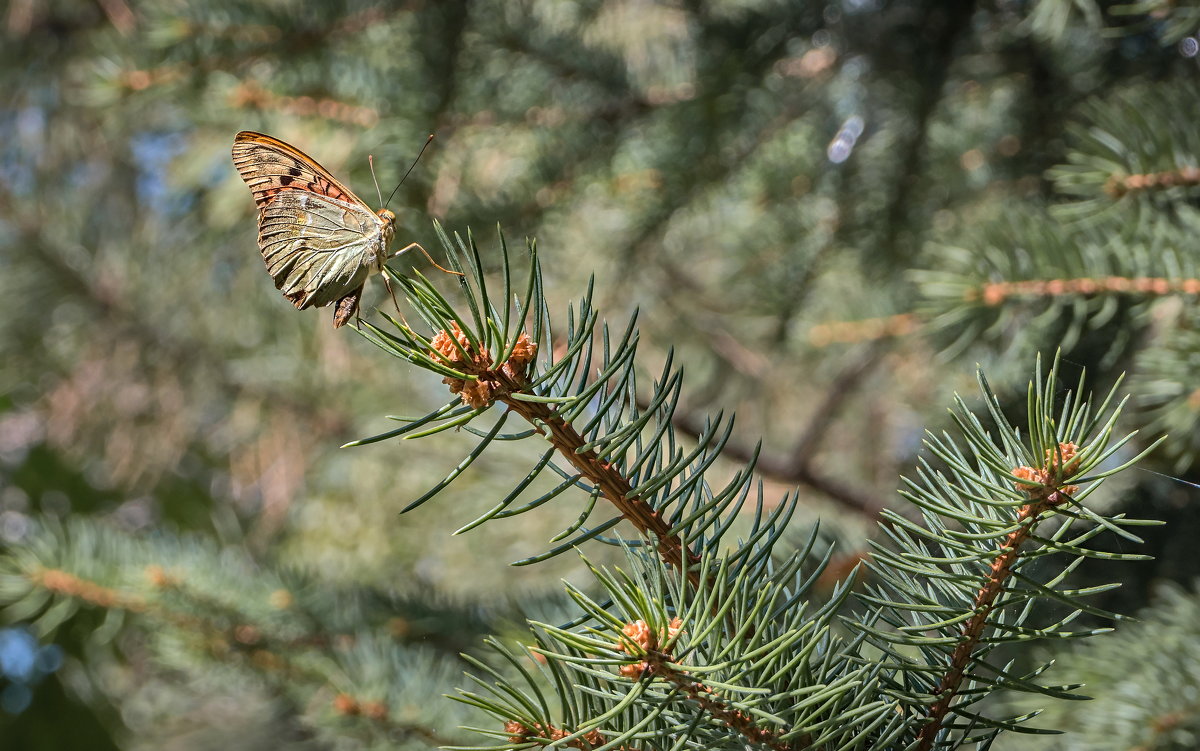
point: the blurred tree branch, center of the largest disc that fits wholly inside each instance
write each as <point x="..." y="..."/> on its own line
<point x="797" y="466"/>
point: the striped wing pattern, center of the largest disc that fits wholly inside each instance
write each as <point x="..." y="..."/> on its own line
<point x="319" y="241"/>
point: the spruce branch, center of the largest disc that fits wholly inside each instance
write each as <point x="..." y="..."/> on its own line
<point x="201" y="612"/>
<point x="250" y="95"/>
<point x="1064" y="277"/>
<point x="960" y="584"/>
<point x="658" y="665"/>
<point x="690" y="647"/>
<point x="1046" y="495"/>
<point x="1128" y="152"/>
<point x="614" y="485"/>
<point x="505" y="382"/>
<point x="607" y="437"/>
<point x="865" y="330"/>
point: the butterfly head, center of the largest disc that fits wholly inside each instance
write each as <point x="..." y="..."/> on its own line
<point x="389" y="224"/>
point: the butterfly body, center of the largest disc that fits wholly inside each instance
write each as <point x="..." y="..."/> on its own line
<point x="319" y="241"/>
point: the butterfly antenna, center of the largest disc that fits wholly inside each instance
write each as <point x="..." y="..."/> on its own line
<point x="378" y="192"/>
<point x="410" y="169"/>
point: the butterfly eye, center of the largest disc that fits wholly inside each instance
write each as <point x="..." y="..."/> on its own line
<point x="387" y="215"/>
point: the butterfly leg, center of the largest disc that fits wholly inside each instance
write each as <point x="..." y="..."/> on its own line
<point x="410" y="246"/>
<point x="388" y="283"/>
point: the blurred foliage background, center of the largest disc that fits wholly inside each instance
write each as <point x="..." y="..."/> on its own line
<point x="831" y="210"/>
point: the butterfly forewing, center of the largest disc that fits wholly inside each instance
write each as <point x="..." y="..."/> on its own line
<point x="319" y="241"/>
<point x="269" y="166"/>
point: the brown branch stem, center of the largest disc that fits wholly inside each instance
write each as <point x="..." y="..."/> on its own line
<point x="613" y="485"/>
<point x="712" y="703"/>
<point x="504" y="382"/>
<point x="985" y="601"/>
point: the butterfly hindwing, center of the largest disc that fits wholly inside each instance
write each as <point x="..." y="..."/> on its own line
<point x="317" y="249"/>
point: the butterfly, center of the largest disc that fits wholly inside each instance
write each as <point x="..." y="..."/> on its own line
<point x="320" y="241"/>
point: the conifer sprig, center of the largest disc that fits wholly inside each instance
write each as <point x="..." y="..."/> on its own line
<point x="944" y="592"/>
<point x="955" y="587"/>
<point x="581" y="394"/>
<point x="661" y="664"/>
<point x="1055" y="280"/>
<point x="1128" y="151"/>
<point x="346" y="669"/>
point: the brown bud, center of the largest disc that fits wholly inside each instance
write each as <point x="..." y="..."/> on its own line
<point x="345" y="704"/>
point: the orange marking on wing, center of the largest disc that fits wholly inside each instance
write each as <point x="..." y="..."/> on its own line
<point x="278" y="184"/>
<point x="263" y="196"/>
<point x="248" y="163"/>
